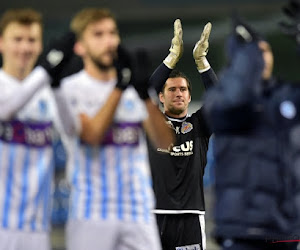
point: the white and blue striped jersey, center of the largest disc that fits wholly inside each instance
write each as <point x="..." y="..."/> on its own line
<point x="26" y="159"/>
<point x="111" y="181"/>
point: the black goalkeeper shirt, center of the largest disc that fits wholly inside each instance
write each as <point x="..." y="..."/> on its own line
<point x="178" y="171"/>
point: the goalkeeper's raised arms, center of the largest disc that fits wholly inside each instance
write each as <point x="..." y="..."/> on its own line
<point x="201" y="49"/>
<point x="176" y="48"/>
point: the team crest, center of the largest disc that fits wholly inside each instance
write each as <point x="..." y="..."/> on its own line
<point x="128" y="105"/>
<point x="186" y="127"/>
<point x="43" y="107"/>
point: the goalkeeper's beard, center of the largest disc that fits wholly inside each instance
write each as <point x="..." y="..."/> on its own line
<point x="176" y="111"/>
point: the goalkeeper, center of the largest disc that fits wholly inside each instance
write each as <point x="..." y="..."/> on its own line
<point x="178" y="170"/>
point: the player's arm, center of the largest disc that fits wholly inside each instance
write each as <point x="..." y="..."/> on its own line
<point x="50" y="66"/>
<point x="54" y="60"/>
<point x="159" y="133"/>
<point x="94" y="128"/>
<point x="11" y="103"/>
<point x="209" y="78"/>
<point x="230" y="105"/>
<point x="200" y="51"/>
<point x="208" y="75"/>
<point x="162" y="72"/>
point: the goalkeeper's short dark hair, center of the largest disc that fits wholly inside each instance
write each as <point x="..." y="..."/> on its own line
<point x="178" y="74"/>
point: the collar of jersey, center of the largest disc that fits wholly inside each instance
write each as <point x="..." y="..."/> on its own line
<point x="9" y="77"/>
<point x="177" y="119"/>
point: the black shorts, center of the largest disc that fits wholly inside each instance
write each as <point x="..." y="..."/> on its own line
<point x="180" y="230"/>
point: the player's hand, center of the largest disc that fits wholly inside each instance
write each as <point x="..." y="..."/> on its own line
<point x="141" y="73"/>
<point x="201" y="49"/>
<point x="123" y="66"/>
<point x="56" y="55"/>
<point x="176" y="48"/>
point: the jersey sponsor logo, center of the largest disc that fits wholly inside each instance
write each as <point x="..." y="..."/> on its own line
<point x="184" y="149"/>
<point x="27" y="133"/>
<point x="186" y="127"/>
<point x="189" y="247"/>
<point x="123" y="134"/>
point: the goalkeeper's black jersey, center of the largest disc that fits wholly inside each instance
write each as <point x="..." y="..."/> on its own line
<point x="178" y="171"/>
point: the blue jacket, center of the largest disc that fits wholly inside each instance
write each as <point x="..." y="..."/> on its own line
<point x="257" y="194"/>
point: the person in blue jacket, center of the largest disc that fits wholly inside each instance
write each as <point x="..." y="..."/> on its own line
<point x="253" y="117"/>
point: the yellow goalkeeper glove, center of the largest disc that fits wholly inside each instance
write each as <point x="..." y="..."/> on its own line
<point x="201" y="48"/>
<point x="176" y="48"/>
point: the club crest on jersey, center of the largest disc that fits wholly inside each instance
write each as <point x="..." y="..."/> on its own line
<point x="43" y="107"/>
<point x="186" y="127"/>
<point x="128" y="105"/>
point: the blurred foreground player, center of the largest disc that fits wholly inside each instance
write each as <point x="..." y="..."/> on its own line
<point x="28" y="118"/>
<point x="111" y="193"/>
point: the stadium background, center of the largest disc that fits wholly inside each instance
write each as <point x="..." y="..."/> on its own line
<point x="149" y="24"/>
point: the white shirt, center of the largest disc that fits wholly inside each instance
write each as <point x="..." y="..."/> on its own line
<point x="27" y="118"/>
<point x="111" y="180"/>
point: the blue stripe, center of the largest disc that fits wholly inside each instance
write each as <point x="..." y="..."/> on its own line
<point x="145" y="185"/>
<point x="47" y="195"/>
<point x="75" y="184"/>
<point x="104" y="184"/>
<point x="24" y="188"/>
<point x="88" y="157"/>
<point x="119" y="183"/>
<point x="132" y="191"/>
<point x="9" y="184"/>
<point x="39" y="196"/>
